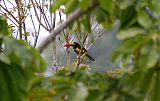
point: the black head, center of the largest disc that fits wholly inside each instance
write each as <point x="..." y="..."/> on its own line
<point x="76" y="45"/>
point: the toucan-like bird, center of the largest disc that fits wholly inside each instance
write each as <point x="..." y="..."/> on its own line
<point x="79" y="50"/>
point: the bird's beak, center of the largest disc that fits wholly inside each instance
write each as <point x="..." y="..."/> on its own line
<point x="68" y="44"/>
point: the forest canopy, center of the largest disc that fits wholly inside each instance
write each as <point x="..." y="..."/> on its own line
<point x="22" y="66"/>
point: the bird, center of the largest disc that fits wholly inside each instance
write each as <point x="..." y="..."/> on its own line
<point x="79" y="50"/>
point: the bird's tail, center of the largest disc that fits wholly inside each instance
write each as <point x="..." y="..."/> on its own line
<point x="90" y="57"/>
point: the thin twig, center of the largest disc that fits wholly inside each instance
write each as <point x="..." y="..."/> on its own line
<point x="78" y="61"/>
<point x="36" y="14"/>
<point x="37" y="35"/>
<point x="53" y="18"/>
<point x="99" y="34"/>
<point x="19" y="8"/>
<point x="3" y="13"/>
<point x="11" y="3"/>
<point x="95" y="27"/>
<point x="45" y="18"/>
<point x="67" y="49"/>
<point x="85" y="38"/>
<point x="24" y="29"/>
<point x="60" y="62"/>
<point x="5" y="4"/>
<point x="61" y="59"/>
<point x="53" y="68"/>
<point x="44" y="15"/>
<point x="37" y="32"/>
<point x="23" y="22"/>
<point x="74" y="16"/>
<point x="9" y="13"/>
<point x="54" y="54"/>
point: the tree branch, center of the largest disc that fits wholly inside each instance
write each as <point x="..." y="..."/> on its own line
<point x="9" y="13"/>
<point x="99" y="34"/>
<point x="36" y="14"/>
<point x="74" y="16"/>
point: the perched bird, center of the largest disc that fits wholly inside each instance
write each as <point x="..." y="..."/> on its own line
<point x="79" y="50"/>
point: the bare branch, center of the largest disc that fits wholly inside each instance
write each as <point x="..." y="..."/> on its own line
<point x="54" y="20"/>
<point x="74" y="16"/>
<point x="44" y="17"/>
<point x="11" y="3"/>
<point x="54" y="54"/>
<point x="60" y="62"/>
<point x="36" y="14"/>
<point x="9" y="13"/>
<point x="99" y="34"/>
<point x="34" y="27"/>
<point x="19" y="8"/>
<point x="53" y="17"/>
<point x="37" y="35"/>
<point x="67" y="49"/>
<point x="3" y="13"/>
<point x="23" y="22"/>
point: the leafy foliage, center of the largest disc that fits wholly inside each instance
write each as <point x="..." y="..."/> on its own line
<point x="138" y="30"/>
<point x="85" y="86"/>
<point x="3" y="27"/>
<point x="18" y="62"/>
<point x="138" y="23"/>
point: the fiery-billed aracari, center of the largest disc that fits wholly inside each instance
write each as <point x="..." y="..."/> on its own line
<point x="79" y="50"/>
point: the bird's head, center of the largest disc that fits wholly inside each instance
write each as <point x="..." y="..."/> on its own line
<point x="74" y="44"/>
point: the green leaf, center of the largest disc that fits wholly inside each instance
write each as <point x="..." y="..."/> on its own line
<point x="70" y="6"/>
<point x="14" y="82"/>
<point x="128" y="17"/>
<point x="106" y="5"/>
<point x="56" y="5"/>
<point x="95" y="95"/>
<point x="154" y="94"/>
<point x="37" y="91"/>
<point x="130" y="46"/>
<point x="86" y="23"/>
<point x="18" y="63"/>
<point x="59" y="96"/>
<point x="154" y="6"/>
<point x="22" y="54"/>
<point x="152" y="58"/>
<point x="123" y="3"/>
<point x="3" y="26"/>
<point x="102" y="17"/>
<point x="84" y="4"/>
<point x="76" y="27"/>
<point x="4" y="59"/>
<point x="80" y="92"/>
<point x="145" y="82"/>
<point x="144" y="20"/>
<point x="60" y="83"/>
<point x="148" y="57"/>
<point x="132" y="79"/>
<point x="117" y="56"/>
<point x="157" y="87"/>
<point x="129" y="33"/>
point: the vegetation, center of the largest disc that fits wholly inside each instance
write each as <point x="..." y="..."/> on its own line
<point x="138" y="29"/>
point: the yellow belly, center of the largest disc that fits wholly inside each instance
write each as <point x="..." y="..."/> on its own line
<point x="77" y="51"/>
